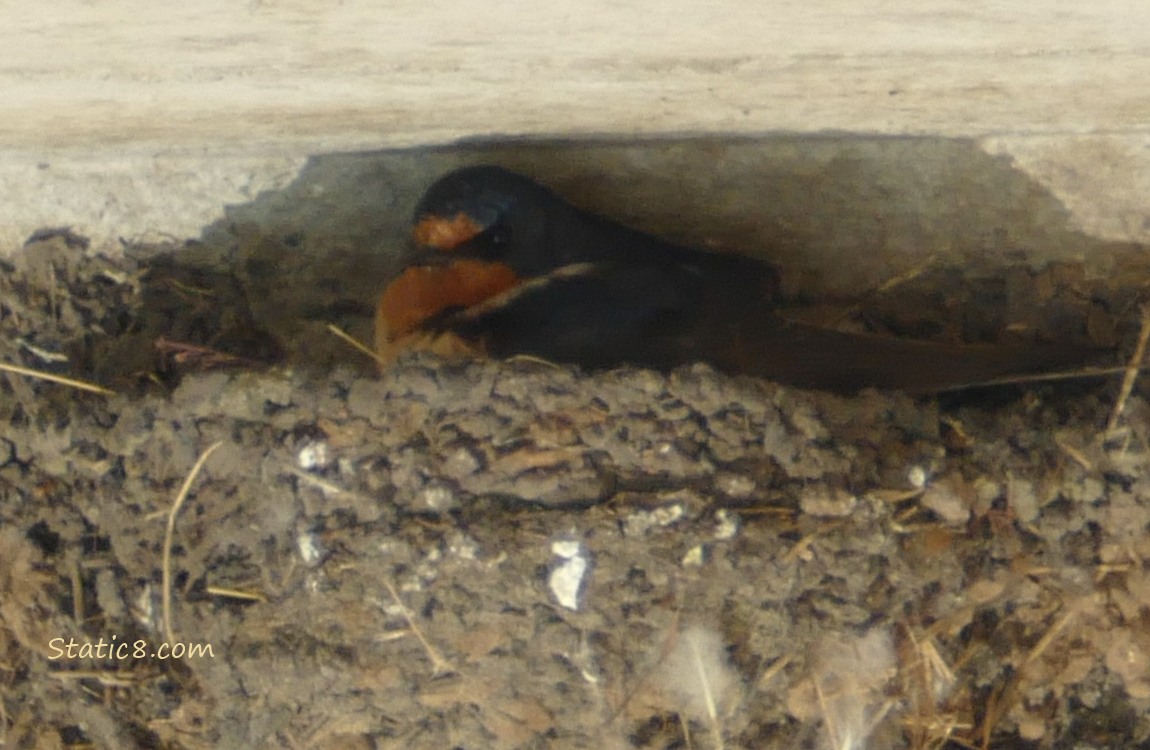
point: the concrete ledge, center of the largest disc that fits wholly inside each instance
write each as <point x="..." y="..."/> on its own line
<point x="127" y="119"/>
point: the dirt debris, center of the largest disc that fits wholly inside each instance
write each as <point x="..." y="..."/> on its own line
<point x="990" y="552"/>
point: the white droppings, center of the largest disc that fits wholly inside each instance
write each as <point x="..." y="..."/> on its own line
<point x="566" y="579"/>
<point x="726" y="525"/>
<point x="463" y="547"/>
<point x="641" y="522"/>
<point x="308" y="546"/>
<point x="437" y="497"/>
<point x="566" y="548"/>
<point x="314" y="456"/>
<point x="144" y="608"/>
<point x="917" y="477"/>
<point x="694" y="557"/>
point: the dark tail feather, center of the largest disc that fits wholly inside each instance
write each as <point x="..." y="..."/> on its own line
<point x="812" y="357"/>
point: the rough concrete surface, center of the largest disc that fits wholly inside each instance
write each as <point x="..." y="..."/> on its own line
<point x="150" y="118"/>
<point x="338" y="75"/>
<point x="1093" y="183"/>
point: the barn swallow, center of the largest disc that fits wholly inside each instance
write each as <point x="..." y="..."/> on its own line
<point x="504" y="266"/>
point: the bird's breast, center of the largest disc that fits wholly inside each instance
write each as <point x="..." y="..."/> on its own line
<point x="420" y="293"/>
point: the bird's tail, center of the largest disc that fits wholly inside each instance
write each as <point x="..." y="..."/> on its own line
<point x="813" y="357"/>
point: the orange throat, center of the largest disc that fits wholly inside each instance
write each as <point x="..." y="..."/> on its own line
<point x="445" y="234"/>
<point x="420" y="293"/>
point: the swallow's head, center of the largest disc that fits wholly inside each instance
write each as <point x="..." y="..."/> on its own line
<point x="475" y="231"/>
<point x="491" y="214"/>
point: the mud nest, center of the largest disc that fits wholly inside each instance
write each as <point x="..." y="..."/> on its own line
<point x="522" y="555"/>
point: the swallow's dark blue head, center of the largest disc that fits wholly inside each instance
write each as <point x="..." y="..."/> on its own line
<point x="490" y="213"/>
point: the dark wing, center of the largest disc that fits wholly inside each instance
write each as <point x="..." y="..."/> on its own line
<point x="596" y="316"/>
<point x="719" y="310"/>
